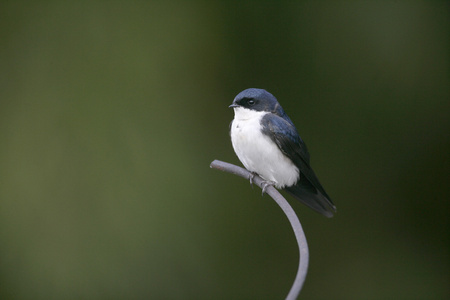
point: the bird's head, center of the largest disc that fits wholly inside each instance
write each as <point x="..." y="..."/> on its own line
<point x="256" y="99"/>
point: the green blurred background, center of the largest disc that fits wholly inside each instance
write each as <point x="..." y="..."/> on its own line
<point x="111" y="112"/>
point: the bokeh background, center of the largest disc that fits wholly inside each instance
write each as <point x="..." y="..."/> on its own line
<point x="111" y="112"/>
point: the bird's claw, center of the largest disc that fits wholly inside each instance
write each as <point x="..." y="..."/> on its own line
<point x="251" y="176"/>
<point x="265" y="184"/>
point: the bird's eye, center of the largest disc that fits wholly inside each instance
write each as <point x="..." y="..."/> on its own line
<point x="251" y="102"/>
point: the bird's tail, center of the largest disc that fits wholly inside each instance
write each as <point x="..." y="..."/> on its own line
<point x="306" y="193"/>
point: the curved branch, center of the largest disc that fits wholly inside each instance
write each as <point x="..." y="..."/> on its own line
<point x="290" y="214"/>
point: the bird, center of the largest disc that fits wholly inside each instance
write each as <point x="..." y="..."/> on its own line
<point x="267" y="143"/>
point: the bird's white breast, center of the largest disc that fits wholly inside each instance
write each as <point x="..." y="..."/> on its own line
<point x="257" y="152"/>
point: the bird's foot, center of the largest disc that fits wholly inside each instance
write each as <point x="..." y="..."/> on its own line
<point x="251" y="176"/>
<point x="265" y="184"/>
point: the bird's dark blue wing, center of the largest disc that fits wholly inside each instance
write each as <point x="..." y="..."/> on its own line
<point x="284" y="134"/>
<point x="308" y="188"/>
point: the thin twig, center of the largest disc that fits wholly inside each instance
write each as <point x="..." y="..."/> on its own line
<point x="289" y="212"/>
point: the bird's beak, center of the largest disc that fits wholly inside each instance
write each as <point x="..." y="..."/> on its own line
<point x="233" y="105"/>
